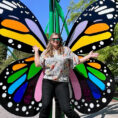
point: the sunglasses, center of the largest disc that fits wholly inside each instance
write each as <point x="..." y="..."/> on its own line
<point x="56" y="39"/>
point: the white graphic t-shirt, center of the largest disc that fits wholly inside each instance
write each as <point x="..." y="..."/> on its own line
<point x="57" y="68"/>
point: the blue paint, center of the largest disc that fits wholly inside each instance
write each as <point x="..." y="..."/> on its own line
<point x="95" y="91"/>
<point x="19" y="94"/>
<point x="96" y="81"/>
<point x="16" y="84"/>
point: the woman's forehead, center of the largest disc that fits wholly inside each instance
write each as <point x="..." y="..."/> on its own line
<point x="55" y="36"/>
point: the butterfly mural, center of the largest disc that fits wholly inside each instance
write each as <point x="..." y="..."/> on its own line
<point x="91" y="83"/>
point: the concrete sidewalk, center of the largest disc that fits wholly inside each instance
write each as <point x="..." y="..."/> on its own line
<point x="111" y="111"/>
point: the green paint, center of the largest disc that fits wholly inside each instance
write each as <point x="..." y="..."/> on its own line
<point x="97" y="73"/>
<point x="16" y="75"/>
<point x="33" y="71"/>
<point x="82" y="70"/>
<point x="57" y="26"/>
<point x="51" y="18"/>
<point x="46" y="29"/>
<point x="61" y="14"/>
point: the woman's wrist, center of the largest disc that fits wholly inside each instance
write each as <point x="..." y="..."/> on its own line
<point x="88" y="56"/>
<point x="36" y="51"/>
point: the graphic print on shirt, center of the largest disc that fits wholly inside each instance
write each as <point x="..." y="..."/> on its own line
<point x="57" y="67"/>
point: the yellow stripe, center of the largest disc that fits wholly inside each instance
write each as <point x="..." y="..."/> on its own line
<point x="24" y="38"/>
<point x="86" y="40"/>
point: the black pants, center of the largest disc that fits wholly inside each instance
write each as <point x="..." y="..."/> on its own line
<point x="60" y="89"/>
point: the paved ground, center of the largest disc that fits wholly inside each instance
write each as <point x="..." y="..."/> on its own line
<point x="111" y="111"/>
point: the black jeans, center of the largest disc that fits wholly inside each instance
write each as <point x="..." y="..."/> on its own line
<point x="61" y="91"/>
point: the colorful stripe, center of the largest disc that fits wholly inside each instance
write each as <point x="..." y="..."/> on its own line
<point x="97" y="73"/>
<point x="29" y="59"/>
<point x="75" y="85"/>
<point x="87" y="40"/>
<point x="100" y="27"/>
<point x="16" y="75"/>
<point x="33" y="70"/>
<point x="12" y="25"/>
<point x="16" y="84"/>
<point x="96" y="81"/>
<point x="80" y="68"/>
<point x="18" y="66"/>
<point x="95" y="65"/>
<point x="19" y="94"/>
<point x="24" y="38"/>
<point x="95" y="91"/>
<point x="38" y="90"/>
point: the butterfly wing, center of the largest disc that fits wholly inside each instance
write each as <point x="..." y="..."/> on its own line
<point x="92" y="86"/>
<point x="92" y="83"/>
<point x="94" y="28"/>
<point x="19" y="28"/>
<point x="20" y="87"/>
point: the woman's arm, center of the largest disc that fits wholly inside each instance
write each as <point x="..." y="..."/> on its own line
<point x="36" y="56"/>
<point x="90" y="55"/>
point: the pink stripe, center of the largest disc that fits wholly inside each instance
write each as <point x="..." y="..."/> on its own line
<point x="75" y="85"/>
<point x="38" y="90"/>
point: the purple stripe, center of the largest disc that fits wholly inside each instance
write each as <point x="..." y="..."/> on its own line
<point x="35" y="29"/>
<point x="75" y="85"/>
<point x="78" y="30"/>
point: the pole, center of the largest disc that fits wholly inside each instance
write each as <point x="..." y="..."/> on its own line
<point x="51" y="17"/>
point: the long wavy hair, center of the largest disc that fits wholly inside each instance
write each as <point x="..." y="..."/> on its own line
<point x="49" y="48"/>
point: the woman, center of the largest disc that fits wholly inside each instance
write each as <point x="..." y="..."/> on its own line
<point x="57" y="60"/>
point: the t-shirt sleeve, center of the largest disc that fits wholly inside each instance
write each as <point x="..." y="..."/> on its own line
<point x="42" y="59"/>
<point x="74" y="59"/>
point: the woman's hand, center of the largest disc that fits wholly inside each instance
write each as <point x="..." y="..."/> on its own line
<point x="35" y="48"/>
<point x="90" y="55"/>
<point x="93" y="55"/>
<point x="36" y="55"/>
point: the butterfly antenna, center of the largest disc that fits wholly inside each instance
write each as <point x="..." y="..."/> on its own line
<point x="64" y="21"/>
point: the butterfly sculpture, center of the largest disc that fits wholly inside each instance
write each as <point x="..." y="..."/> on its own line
<point x="92" y="83"/>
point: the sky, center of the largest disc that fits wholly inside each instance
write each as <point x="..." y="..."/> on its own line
<point x="40" y="9"/>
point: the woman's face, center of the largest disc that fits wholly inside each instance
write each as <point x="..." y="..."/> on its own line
<point x="55" y="43"/>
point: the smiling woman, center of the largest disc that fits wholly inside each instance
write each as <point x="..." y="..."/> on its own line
<point x="57" y="60"/>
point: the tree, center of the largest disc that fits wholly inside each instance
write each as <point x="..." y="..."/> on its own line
<point x="3" y="54"/>
<point x="77" y="8"/>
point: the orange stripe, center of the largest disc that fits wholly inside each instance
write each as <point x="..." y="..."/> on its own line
<point x="80" y="57"/>
<point x="18" y="66"/>
<point x="15" y="25"/>
<point x="97" y="28"/>
<point x="30" y="59"/>
<point x="95" y="65"/>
